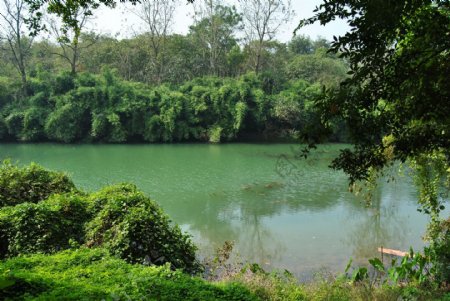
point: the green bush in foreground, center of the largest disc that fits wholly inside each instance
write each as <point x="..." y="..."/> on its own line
<point x="92" y="274"/>
<point x="118" y="218"/>
<point x="133" y="227"/>
<point x="442" y="249"/>
<point x="277" y="286"/>
<point x="48" y="226"/>
<point x="120" y="221"/>
<point x="31" y="184"/>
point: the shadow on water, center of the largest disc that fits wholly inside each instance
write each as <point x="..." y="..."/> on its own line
<point x="380" y="225"/>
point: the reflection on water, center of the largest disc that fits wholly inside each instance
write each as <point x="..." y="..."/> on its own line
<point x="382" y="225"/>
<point x="280" y="211"/>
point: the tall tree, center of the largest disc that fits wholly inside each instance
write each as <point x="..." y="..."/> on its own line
<point x="214" y="28"/>
<point x="157" y="16"/>
<point x="69" y="37"/>
<point x="396" y="103"/>
<point x="262" y="20"/>
<point x="397" y="99"/>
<point x="17" y="43"/>
<point x="64" y="10"/>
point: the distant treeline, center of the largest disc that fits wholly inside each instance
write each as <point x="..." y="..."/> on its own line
<point x="206" y="50"/>
<point x="114" y="95"/>
<point x="104" y="108"/>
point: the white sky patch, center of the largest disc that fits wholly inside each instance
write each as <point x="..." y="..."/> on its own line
<point x="121" y="23"/>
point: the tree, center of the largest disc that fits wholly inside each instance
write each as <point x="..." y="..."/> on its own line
<point x="305" y="45"/>
<point x="214" y="27"/>
<point x="262" y="20"/>
<point x="317" y="68"/>
<point x="301" y="45"/>
<point x="396" y="102"/>
<point x="64" y="10"/>
<point x="12" y="31"/>
<point x="397" y="98"/>
<point x="68" y="37"/>
<point x="158" y="18"/>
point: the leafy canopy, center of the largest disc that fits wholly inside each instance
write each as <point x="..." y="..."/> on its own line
<point x="396" y="101"/>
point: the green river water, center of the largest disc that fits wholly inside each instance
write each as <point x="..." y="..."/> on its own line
<point x="280" y="211"/>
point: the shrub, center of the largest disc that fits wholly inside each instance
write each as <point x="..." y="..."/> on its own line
<point x="317" y="69"/>
<point x="39" y="100"/>
<point x="67" y="123"/>
<point x="64" y="82"/>
<point x="86" y="80"/>
<point x="133" y="227"/>
<point x="33" y="124"/>
<point x="215" y="134"/>
<point x="30" y="184"/>
<point x="92" y="274"/>
<point x="115" y="129"/>
<point x="14" y="124"/>
<point x="99" y="126"/>
<point x="48" y="226"/>
<point x="442" y="249"/>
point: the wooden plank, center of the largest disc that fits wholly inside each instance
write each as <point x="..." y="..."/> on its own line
<point x="393" y="252"/>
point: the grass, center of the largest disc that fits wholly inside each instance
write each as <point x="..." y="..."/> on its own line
<point x="92" y="274"/>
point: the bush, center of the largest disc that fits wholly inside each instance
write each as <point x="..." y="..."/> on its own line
<point x="30" y="184"/>
<point x="33" y="124"/>
<point x="14" y="124"/>
<point x="121" y="219"/>
<point x="442" y="249"/>
<point x="67" y="123"/>
<point x="91" y="274"/>
<point x="104" y="108"/>
<point x="64" y="82"/>
<point x="107" y="128"/>
<point x="3" y="128"/>
<point x="40" y="100"/>
<point x="215" y="134"/>
<point x="317" y="69"/>
<point x="133" y="227"/>
<point x="48" y="226"/>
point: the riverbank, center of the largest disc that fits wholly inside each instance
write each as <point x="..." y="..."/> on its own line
<point x="92" y="274"/>
<point x="117" y="244"/>
<point x="301" y="219"/>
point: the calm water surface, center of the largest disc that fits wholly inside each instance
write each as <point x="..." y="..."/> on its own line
<point x="280" y="211"/>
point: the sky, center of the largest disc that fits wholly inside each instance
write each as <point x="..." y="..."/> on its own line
<point x="120" y="22"/>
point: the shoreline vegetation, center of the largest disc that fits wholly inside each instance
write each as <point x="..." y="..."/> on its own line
<point x="89" y="108"/>
<point x="382" y="86"/>
<point x="117" y="244"/>
<point x="108" y="100"/>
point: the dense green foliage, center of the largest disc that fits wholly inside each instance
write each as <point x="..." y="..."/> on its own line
<point x="48" y="226"/>
<point x="119" y="218"/>
<point x="396" y="102"/>
<point x="30" y="184"/>
<point x="398" y="86"/>
<point x="116" y="233"/>
<point x="442" y="250"/>
<point x="133" y="227"/>
<point x="104" y="108"/>
<point x="92" y="274"/>
<point x="162" y="87"/>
